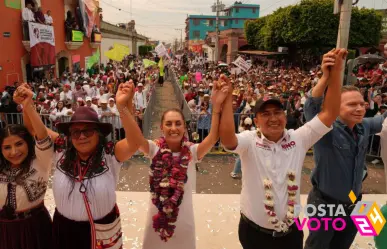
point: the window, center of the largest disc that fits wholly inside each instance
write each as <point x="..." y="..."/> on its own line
<point x="211" y="23"/>
<point x="196" y="22"/>
<point x="236" y="10"/>
<point x="225" y="23"/>
<point x="196" y="34"/>
<point x="254" y="10"/>
<point x="236" y="21"/>
<point x="230" y="22"/>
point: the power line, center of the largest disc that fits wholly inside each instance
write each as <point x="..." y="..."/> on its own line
<point x="136" y="14"/>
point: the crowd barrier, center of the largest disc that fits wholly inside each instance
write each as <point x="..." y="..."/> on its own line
<point x="199" y="126"/>
<point x="147" y="118"/>
<point x="183" y="105"/>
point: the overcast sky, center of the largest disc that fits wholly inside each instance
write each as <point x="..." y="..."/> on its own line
<point x="159" y="19"/>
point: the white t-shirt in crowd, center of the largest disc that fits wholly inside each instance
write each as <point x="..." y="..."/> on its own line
<point x="28" y="15"/>
<point x="48" y="19"/>
<point x="140" y="100"/>
<point x="262" y="159"/>
<point x="66" y="96"/>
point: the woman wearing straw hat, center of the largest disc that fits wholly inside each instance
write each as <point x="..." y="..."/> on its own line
<point x="87" y="171"/>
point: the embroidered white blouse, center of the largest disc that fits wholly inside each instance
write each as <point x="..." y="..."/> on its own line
<point x="101" y="189"/>
<point x="28" y="191"/>
<point x="184" y="236"/>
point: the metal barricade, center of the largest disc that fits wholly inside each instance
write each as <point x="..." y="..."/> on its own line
<point x="147" y="116"/>
<point x="200" y="126"/>
<point x="183" y="105"/>
<point x="374" y="146"/>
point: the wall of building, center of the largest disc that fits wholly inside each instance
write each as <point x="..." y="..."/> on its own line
<point x="244" y="11"/>
<point x="233" y="19"/>
<point x="12" y="52"/>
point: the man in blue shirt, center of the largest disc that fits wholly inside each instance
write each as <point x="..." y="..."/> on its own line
<point x="340" y="161"/>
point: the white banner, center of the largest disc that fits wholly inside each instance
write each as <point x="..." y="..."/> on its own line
<point x="41" y="33"/>
<point x="242" y="64"/>
<point x="235" y="70"/>
<point x="161" y="50"/>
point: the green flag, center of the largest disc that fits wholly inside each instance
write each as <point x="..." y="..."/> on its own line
<point x="148" y="63"/>
<point x="94" y="59"/>
<point x="161" y="67"/>
<point x="131" y="66"/>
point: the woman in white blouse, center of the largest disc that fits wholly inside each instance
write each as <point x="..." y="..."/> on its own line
<point x="87" y="172"/>
<point x="170" y="221"/>
<point x="25" y="165"/>
<point x="59" y="112"/>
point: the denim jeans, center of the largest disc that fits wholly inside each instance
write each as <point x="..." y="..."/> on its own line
<point x="237" y="166"/>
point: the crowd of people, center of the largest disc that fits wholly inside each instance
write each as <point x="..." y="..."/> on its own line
<point x="272" y="156"/>
<point x="56" y="100"/>
<point x="289" y="84"/>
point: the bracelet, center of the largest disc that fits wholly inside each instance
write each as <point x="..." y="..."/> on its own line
<point x="123" y="111"/>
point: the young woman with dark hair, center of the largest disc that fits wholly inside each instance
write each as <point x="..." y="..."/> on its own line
<point x="25" y="165"/>
<point x="170" y="221"/>
<point x="87" y="172"/>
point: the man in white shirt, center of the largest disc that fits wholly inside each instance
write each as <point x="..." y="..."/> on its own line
<point x="27" y="16"/>
<point x="67" y="94"/>
<point x="140" y="98"/>
<point x="48" y="18"/>
<point x="272" y="160"/>
<point x="90" y="104"/>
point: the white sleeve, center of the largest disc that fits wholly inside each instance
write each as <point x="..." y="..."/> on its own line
<point x="244" y="141"/>
<point x="311" y="132"/>
<point x="194" y="152"/>
<point x="153" y="149"/>
<point x="383" y="141"/>
<point x="44" y="151"/>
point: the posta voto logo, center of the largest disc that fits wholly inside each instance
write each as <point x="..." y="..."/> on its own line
<point x="367" y="217"/>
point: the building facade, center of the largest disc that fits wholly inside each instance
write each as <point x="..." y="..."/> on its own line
<point x="70" y="52"/>
<point x="125" y="35"/>
<point x="198" y="27"/>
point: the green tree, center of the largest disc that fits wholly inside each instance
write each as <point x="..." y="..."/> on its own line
<point x="311" y="24"/>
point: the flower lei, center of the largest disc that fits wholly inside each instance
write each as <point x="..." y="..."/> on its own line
<point x="168" y="176"/>
<point x="281" y="226"/>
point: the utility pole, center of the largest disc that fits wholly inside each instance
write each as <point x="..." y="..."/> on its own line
<point x="219" y="6"/>
<point x="181" y="37"/>
<point x="345" y="8"/>
<point x="131" y="13"/>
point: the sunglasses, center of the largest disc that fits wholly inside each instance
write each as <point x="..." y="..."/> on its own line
<point x="76" y="134"/>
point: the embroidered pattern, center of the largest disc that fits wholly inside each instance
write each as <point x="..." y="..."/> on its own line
<point x="35" y="189"/>
<point x="60" y="146"/>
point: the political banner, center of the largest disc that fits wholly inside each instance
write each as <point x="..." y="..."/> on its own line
<point x="42" y="43"/>
<point x="161" y="50"/>
<point x="242" y="64"/>
<point x="14" y="4"/>
<point x="235" y="70"/>
<point x="77" y="36"/>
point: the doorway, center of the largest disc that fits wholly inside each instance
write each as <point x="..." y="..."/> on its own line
<point x="63" y="64"/>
